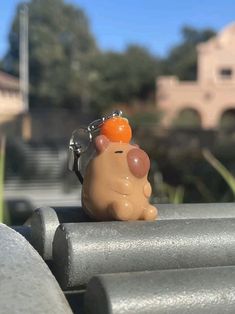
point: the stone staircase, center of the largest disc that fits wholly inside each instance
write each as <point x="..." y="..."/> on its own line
<point x="46" y="184"/>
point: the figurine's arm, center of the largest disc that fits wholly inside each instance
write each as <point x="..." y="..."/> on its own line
<point x="147" y="190"/>
<point x="122" y="186"/>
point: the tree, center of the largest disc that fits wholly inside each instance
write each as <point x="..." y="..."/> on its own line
<point x="182" y="59"/>
<point x="60" y="45"/>
<point x="67" y="68"/>
<point x="125" y="77"/>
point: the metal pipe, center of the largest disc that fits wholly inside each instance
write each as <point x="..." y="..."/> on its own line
<point x="194" y="291"/>
<point x="44" y="223"/>
<point x="196" y="211"/>
<point x="81" y="251"/>
<point x="27" y="285"/>
<point x="45" y="220"/>
<point x="165" y="211"/>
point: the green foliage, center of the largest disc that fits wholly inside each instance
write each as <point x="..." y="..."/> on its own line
<point x="67" y="68"/>
<point x="175" y="195"/>
<point x="144" y="118"/>
<point x="221" y="169"/>
<point x="60" y="45"/>
<point x="182" y="59"/>
<point x="124" y="77"/>
<point x="177" y="160"/>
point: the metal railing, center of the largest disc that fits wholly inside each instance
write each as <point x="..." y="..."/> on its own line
<point x="184" y="262"/>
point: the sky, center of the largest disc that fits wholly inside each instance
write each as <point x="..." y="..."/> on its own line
<point x="154" y="24"/>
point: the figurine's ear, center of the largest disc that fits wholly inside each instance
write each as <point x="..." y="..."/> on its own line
<point x="101" y="143"/>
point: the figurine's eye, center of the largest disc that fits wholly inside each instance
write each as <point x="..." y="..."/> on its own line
<point x="118" y="152"/>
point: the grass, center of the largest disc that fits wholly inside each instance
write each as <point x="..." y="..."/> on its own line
<point x="221" y="169"/>
<point x="175" y="194"/>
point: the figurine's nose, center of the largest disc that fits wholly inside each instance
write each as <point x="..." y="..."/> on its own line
<point x="138" y="162"/>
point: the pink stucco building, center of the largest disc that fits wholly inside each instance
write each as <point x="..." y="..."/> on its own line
<point x="11" y="101"/>
<point x="213" y="94"/>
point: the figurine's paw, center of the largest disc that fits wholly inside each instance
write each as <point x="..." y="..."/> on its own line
<point x="150" y="213"/>
<point x="147" y="190"/>
<point x="122" y="210"/>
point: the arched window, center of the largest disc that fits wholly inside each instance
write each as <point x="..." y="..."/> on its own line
<point x="227" y="121"/>
<point x="187" y="118"/>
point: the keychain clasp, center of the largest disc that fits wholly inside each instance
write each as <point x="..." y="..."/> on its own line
<point x="95" y="125"/>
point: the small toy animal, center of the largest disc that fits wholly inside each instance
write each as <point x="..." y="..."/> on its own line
<point x="115" y="185"/>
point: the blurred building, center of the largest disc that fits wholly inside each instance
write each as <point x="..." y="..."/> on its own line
<point x="212" y="96"/>
<point x="11" y="101"/>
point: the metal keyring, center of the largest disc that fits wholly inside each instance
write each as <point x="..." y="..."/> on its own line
<point x="81" y="139"/>
<point x="77" y="142"/>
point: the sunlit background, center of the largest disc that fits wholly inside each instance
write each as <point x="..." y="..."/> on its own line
<point x="169" y="66"/>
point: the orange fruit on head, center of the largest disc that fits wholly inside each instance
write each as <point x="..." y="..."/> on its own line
<point x="117" y="129"/>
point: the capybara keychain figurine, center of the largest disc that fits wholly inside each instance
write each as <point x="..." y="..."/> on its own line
<point x="115" y="184"/>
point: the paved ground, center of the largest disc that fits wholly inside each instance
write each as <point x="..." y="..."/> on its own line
<point x="44" y="196"/>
